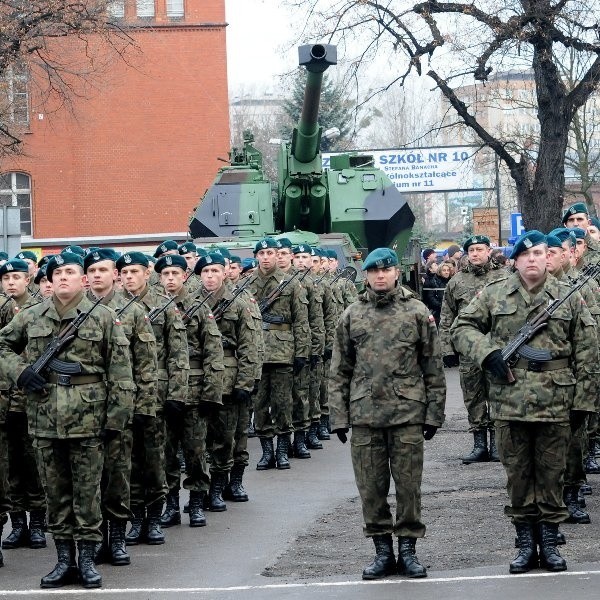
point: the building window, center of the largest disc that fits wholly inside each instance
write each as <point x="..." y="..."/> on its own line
<point x="175" y="9"/>
<point x="15" y="190"/>
<point x="14" y="103"/>
<point x="145" y="8"/>
<point x="116" y="9"/>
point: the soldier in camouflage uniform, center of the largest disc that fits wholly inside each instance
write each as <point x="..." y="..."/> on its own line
<point x="101" y="272"/>
<point x="535" y="414"/>
<point x="228" y="425"/>
<point x="189" y="251"/>
<point x="235" y="269"/>
<point x="478" y="272"/>
<point x="287" y="347"/>
<point x="25" y="488"/>
<point x="71" y="415"/>
<point x="148" y="484"/>
<point x="186" y="423"/>
<point x="387" y="383"/>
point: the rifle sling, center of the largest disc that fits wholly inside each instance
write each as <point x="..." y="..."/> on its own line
<point x="537" y="366"/>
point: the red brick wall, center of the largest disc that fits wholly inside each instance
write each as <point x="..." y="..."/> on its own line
<point x="141" y="147"/>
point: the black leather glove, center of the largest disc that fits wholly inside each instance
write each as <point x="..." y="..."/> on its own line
<point x="16" y="421"/>
<point x="451" y="360"/>
<point x="341" y="433"/>
<point x="429" y="431"/>
<point x="496" y="365"/>
<point x="299" y="364"/>
<point x="207" y="409"/>
<point x="241" y="397"/>
<point x="107" y="435"/>
<point x="577" y="419"/>
<point x="174" y="409"/>
<point x="328" y="352"/>
<point x="30" y="381"/>
<point x="141" y="421"/>
<point x="314" y="361"/>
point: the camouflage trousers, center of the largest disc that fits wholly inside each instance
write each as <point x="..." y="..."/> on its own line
<point x="475" y="394"/>
<point x="592" y="428"/>
<point x="147" y="482"/>
<point x="189" y="430"/>
<point x="273" y="403"/>
<point x="4" y="497"/>
<point x="300" y="406"/>
<point x="70" y="470"/>
<point x="116" y="474"/>
<point x="324" y="395"/>
<point x="25" y="488"/>
<point x="534" y="455"/>
<point x="578" y="447"/>
<point x="378" y="453"/>
<point x="314" y="392"/>
<point x="229" y="434"/>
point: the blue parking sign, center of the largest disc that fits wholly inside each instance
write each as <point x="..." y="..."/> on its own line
<point x="516" y="225"/>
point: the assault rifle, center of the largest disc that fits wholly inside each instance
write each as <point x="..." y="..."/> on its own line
<point x="124" y="308"/>
<point x="159" y="310"/>
<point x="224" y="304"/>
<point x="189" y="313"/>
<point x="347" y="273"/>
<point x="517" y="347"/>
<point x="48" y="357"/>
<point x="269" y="300"/>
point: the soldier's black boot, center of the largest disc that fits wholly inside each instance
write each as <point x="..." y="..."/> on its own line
<point x="384" y="563"/>
<point x="550" y="558"/>
<point x="408" y="563"/>
<point x="312" y="437"/>
<point x="527" y="558"/>
<point x="323" y="433"/>
<point x="480" y="448"/>
<point x="19" y="536"/>
<point x="267" y="460"/>
<point x="218" y="481"/>
<point x="590" y="464"/>
<point x="281" y="454"/>
<point x="493" y="452"/>
<point x="300" y="449"/>
<point x="135" y="535"/>
<point x="37" y="526"/>
<point x="118" y="550"/>
<point x="197" y="518"/>
<point x="234" y="490"/>
<point x="172" y="515"/>
<point x="155" y="533"/>
<point x="65" y="570"/>
<point x="576" y="515"/>
<point x="580" y="498"/>
<point x="585" y="489"/>
<point x="90" y="578"/>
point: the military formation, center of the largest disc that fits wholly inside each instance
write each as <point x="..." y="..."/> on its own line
<point x="125" y="377"/>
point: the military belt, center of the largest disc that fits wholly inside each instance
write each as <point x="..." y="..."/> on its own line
<point x="68" y="380"/>
<point x="276" y="326"/>
<point x="537" y="366"/>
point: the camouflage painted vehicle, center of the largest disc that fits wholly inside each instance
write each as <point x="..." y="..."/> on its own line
<point x="351" y="200"/>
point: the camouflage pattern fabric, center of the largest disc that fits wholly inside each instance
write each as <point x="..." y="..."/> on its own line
<point x="475" y="395"/>
<point x="273" y="402"/>
<point x="229" y="427"/>
<point x="5" y="505"/>
<point x="300" y="402"/>
<point x="116" y="476"/>
<point x="314" y="392"/>
<point x="576" y="453"/>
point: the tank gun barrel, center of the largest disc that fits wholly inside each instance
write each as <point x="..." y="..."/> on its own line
<point x="317" y="59"/>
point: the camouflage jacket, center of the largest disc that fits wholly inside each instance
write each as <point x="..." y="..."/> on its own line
<point x="496" y="314"/>
<point x="102" y="349"/>
<point x="238" y="331"/>
<point x="142" y="346"/>
<point x="331" y="312"/>
<point x="252" y="306"/>
<point x="386" y="367"/>
<point x="460" y="290"/>
<point x="171" y="347"/>
<point x="348" y="290"/>
<point x="205" y="350"/>
<point x="292" y="338"/>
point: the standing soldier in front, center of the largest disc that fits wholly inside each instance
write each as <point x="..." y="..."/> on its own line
<point x="461" y="289"/>
<point x="534" y="415"/>
<point x="387" y="383"/>
<point x="71" y="415"/>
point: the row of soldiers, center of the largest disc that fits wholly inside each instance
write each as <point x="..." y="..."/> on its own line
<point x="172" y="351"/>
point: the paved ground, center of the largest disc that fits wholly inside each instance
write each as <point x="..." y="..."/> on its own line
<point x="301" y="534"/>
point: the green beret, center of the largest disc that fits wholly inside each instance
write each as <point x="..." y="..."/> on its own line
<point x="44" y="260"/>
<point x="212" y="258"/>
<point x="171" y="260"/>
<point x="595" y="222"/>
<point x="151" y="259"/>
<point x="201" y="251"/>
<point x="553" y="241"/>
<point x="380" y="258"/>
<point x="3" y="256"/>
<point x="224" y="252"/>
<point x="265" y="243"/>
<point x="132" y="258"/>
<point x="528" y="240"/>
<point x="331" y="253"/>
<point x="74" y="250"/>
<point x="302" y="249"/>
<point x="98" y="256"/>
<point x="27" y="254"/>
<point x="92" y="249"/>
<point x="476" y="239"/>
<point x="236" y="259"/>
<point x="187" y="247"/>
<point x="165" y="247"/>
<point x="249" y="263"/>
<point x="564" y="234"/>
<point x="14" y="265"/>
<point x="62" y="259"/>
<point x="578" y="233"/>
<point x="40" y="274"/>
<point x="578" y="207"/>
<point x="284" y="243"/>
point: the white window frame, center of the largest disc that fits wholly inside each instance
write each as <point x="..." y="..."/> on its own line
<point x="145" y="9"/>
<point x="175" y="9"/>
<point x="13" y="193"/>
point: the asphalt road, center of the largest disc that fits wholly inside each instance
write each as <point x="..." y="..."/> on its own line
<point x="225" y="559"/>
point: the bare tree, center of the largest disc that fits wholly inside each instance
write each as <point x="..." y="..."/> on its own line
<point x="455" y="43"/>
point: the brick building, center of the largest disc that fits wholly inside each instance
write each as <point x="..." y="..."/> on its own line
<point x="140" y="145"/>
